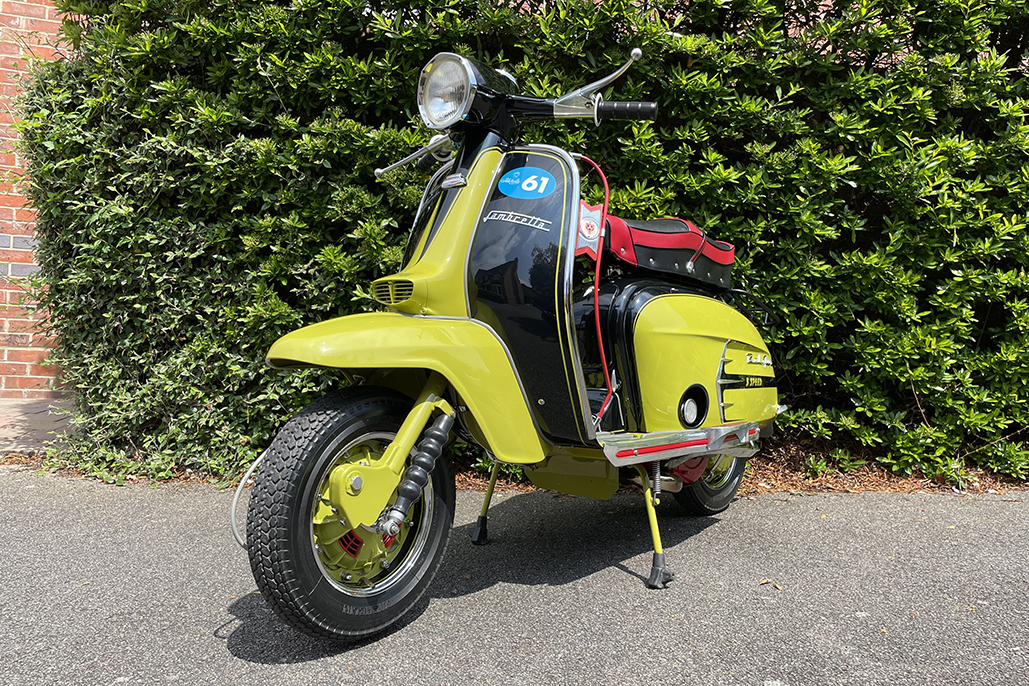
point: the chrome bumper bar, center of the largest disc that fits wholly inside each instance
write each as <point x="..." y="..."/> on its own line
<point x="624" y="449"/>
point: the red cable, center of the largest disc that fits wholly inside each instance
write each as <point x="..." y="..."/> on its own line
<point x="596" y="285"/>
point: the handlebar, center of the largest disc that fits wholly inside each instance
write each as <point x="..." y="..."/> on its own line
<point x="626" y="110"/>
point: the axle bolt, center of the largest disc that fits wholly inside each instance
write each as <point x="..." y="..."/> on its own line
<point x="356" y="483"/>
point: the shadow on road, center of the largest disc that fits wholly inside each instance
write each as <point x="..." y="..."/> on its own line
<point x="538" y="538"/>
<point x="258" y="635"/>
<point x="543" y="538"/>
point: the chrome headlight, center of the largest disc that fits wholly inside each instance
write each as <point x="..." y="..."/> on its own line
<point x="446" y="89"/>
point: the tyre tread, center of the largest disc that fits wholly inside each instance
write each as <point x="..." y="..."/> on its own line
<point x="268" y="523"/>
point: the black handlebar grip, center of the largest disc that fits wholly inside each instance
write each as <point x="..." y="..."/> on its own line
<point x="426" y="162"/>
<point x="627" y="110"/>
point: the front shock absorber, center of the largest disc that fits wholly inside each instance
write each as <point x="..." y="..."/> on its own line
<point x="417" y="474"/>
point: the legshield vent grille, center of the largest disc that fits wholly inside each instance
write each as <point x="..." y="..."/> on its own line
<point x="392" y="291"/>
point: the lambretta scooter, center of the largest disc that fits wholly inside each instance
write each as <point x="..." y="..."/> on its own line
<point x="584" y="347"/>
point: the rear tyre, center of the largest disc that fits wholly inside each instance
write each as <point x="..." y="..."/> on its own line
<point x="713" y="492"/>
<point x="319" y="576"/>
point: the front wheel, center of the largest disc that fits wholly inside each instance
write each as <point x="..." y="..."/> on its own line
<point x="319" y="576"/>
<point x="714" y="490"/>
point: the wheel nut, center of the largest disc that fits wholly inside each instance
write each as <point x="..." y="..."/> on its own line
<point x="349" y="577"/>
<point x="385" y="565"/>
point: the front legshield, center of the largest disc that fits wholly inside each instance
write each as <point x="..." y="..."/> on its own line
<point x="467" y="353"/>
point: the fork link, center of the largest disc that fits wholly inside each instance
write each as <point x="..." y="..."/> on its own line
<point x="417" y="474"/>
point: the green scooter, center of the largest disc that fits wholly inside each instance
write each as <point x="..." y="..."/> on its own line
<point x="587" y="348"/>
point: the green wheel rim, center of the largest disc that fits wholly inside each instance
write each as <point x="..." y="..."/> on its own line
<point x="360" y="562"/>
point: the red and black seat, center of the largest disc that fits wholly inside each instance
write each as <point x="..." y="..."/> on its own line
<point x="673" y="246"/>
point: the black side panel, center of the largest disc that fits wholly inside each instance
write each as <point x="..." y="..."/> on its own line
<point x="515" y="276"/>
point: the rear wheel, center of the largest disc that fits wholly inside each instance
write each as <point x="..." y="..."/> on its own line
<point x="714" y="490"/>
<point x="317" y="574"/>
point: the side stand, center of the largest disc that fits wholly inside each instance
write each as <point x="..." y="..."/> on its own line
<point x="478" y="532"/>
<point x="660" y="577"/>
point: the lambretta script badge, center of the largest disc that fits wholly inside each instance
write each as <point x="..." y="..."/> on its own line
<point x="762" y="360"/>
<point x="517" y="218"/>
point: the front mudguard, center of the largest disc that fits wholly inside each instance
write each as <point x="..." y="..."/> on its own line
<point x="468" y="353"/>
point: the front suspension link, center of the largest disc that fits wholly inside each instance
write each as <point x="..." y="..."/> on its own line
<point x="417" y="474"/>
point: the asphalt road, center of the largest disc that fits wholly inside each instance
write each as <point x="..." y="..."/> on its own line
<point x="110" y="585"/>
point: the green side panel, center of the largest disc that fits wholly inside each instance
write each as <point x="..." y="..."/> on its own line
<point x="438" y="276"/>
<point x="751" y="404"/>
<point x="577" y="472"/>
<point x="679" y="340"/>
<point x="467" y="353"/>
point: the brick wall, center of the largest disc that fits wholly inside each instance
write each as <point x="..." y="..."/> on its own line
<point x="27" y="28"/>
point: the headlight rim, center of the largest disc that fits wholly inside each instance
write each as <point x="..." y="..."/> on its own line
<point x="423" y="79"/>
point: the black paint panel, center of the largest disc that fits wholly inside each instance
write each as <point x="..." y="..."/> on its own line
<point x="515" y="272"/>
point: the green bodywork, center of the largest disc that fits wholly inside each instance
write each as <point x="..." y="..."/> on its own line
<point x="577" y="471"/>
<point x="679" y="340"/>
<point x="437" y="269"/>
<point x="360" y="489"/>
<point x="465" y="352"/>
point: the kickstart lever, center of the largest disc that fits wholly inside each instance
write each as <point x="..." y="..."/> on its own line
<point x="436" y="143"/>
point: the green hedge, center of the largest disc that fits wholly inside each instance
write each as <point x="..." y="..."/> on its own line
<point x="203" y="174"/>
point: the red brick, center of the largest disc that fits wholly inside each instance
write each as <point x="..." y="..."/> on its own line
<point x="24" y="9"/>
<point x="11" y="200"/>
<point x="43" y="370"/>
<point x="46" y="27"/>
<point x="8" y="369"/>
<point x="35" y="356"/>
<point x="9" y="48"/>
<point x="22" y="326"/>
<point x="18" y="340"/>
<point x="32" y="393"/>
<point x="27" y="382"/>
<point x="15" y="312"/>
<point x="25" y="214"/>
<point x="16" y="256"/>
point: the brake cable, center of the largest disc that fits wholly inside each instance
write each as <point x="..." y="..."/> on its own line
<point x="596" y="286"/>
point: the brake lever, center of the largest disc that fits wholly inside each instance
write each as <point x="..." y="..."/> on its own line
<point x="584" y="100"/>
<point x="435" y="143"/>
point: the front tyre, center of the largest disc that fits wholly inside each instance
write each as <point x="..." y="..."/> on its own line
<point x="713" y="492"/>
<point x="319" y="576"/>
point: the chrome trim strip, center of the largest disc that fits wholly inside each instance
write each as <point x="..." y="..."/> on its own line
<point x="570" y="242"/>
<point x="721" y="381"/>
<point x="717" y="439"/>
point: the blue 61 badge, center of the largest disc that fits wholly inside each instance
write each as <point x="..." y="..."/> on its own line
<point x="527" y="183"/>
